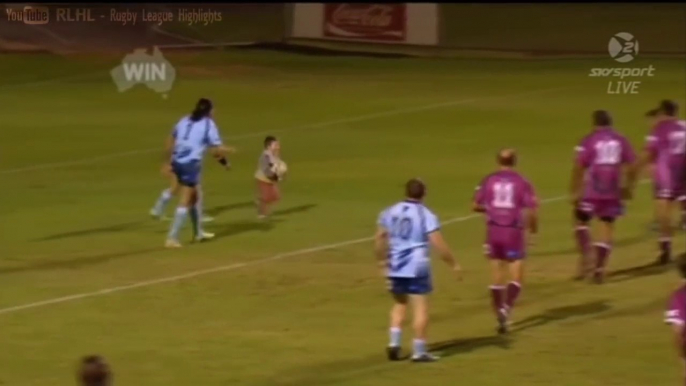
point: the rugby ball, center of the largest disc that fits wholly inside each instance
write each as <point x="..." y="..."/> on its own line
<point x="280" y="168"/>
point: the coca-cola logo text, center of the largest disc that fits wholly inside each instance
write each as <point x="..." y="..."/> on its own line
<point x="367" y="16"/>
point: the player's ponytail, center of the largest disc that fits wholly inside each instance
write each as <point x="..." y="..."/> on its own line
<point x="202" y="109"/>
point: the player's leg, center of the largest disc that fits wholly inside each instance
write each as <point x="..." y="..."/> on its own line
<point x="197" y="218"/>
<point x="582" y="234"/>
<point x="161" y="205"/>
<point x="514" y="287"/>
<point x="397" y="317"/>
<point x="188" y="176"/>
<point x="682" y="206"/>
<point x="262" y="192"/>
<point x="185" y="203"/>
<point x="603" y="247"/>
<point x="268" y="196"/>
<point x="663" y="208"/>
<point x="497" y="290"/>
<point x="420" y="322"/>
<point x="199" y="201"/>
<point x="418" y="290"/>
<point x="275" y="196"/>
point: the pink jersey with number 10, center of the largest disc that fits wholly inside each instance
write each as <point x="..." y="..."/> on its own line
<point x="602" y="154"/>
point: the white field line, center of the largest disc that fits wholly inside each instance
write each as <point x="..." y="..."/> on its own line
<point x="222" y="268"/>
<point x="360" y="118"/>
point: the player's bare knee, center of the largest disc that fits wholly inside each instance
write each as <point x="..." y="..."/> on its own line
<point x="400" y="299"/>
<point x="517" y="271"/>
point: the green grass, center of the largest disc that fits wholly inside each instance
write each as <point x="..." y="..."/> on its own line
<point x="315" y="318"/>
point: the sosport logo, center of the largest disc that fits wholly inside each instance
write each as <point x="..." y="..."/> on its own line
<point x="623" y="47"/>
<point x="623" y="72"/>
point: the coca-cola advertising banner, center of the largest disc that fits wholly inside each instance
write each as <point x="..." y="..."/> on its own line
<point x="374" y="22"/>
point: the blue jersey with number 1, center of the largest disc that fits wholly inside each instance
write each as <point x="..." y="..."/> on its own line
<point x="192" y="139"/>
<point x="408" y="224"/>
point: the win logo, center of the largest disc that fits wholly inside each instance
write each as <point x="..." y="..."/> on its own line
<point x="139" y="67"/>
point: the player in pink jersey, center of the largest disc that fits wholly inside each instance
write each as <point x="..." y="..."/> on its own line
<point x="652" y="118"/>
<point x="676" y="315"/>
<point x="598" y="188"/>
<point x="665" y="151"/>
<point x="509" y="203"/>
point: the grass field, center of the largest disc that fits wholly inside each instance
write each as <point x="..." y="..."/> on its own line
<point x="298" y="302"/>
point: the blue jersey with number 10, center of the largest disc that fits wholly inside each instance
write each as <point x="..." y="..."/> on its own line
<point x="192" y="139"/>
<point x="408" y="224"/>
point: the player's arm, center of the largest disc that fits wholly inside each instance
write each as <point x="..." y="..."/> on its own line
<point x="381" y="246"/>
<point x="678" y="332"/>
<point x="575" y="183"/>
<point x="217" y="148"/>
<point x="531" y="215"/>
<point x="478" y="201"/>
<point x="631" y="171"/>
<point x="267" y="168"/>
<point x="646" y="158"/>
<point x="437" y="241"/>
<point x="169" y="147"/>
<point x="478" y="207"/>
<point x="649" y="152"/>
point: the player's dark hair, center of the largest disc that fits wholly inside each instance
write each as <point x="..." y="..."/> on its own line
<point x="652" y="113"/>
<point x="269" y="140"/>
<point x="94" y="371"/>
<point x="506" y="157"/>
<point x="415" y="189"/>
<point x="602" y="118"/>
<point x="202" y="109"/>
<point x="669" y="108"/>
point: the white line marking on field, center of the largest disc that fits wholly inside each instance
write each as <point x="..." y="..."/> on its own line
<point x="223" y="268"/>
<point x="360" y="118"/>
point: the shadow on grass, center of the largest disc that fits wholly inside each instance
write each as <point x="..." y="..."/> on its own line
<point x="75" y="262"/>
<point x="644" y="270"/>
<point x="244" y="226"/>
<point x="653" y="307"/>
<point x="561" y="313"/>
<point x="346" y="371"/>
<point x="293" y="210"/>
<point x="625" y="242"/>
<point x="452" y="347"/>
<point x="127" y="226"/>
<point x="219" y="209"/>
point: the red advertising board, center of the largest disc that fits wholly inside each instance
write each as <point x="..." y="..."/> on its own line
<point x="358" y="21"/>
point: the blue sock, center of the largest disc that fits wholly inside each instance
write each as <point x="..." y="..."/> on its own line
<point x="419" y="347"/>
<point x="395" y="334"/>
<point x="195" y="220"/>
<point x="177" y="224"/>
<point x="162" y="202"/>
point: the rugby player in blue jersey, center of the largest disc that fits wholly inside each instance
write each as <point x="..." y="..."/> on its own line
<point x="185" y="148"/>
<point x="405" y="232"/>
